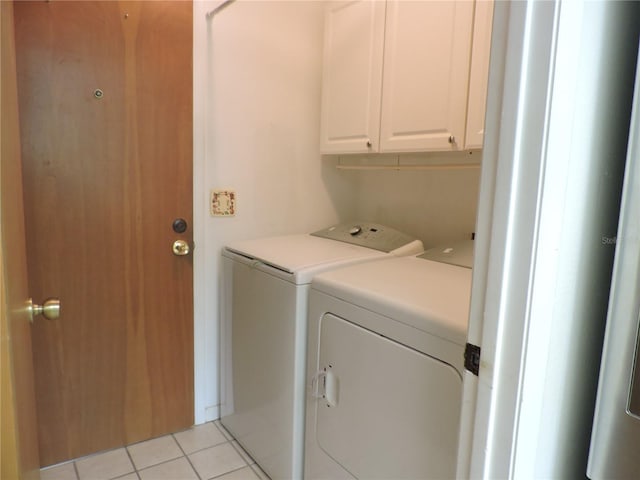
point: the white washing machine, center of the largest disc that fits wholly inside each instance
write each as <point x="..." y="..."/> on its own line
<point x="264" y="301"/>
<point x="385" y="365"/>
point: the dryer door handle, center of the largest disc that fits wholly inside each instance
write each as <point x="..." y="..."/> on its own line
<point x="324" y="384"/>
<point x="317" y="384"/>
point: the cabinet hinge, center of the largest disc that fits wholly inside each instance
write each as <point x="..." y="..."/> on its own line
<point x="472" y="358"/>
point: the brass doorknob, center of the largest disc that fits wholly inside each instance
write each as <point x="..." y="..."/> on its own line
<point x="50" y="309"/>
<point x="180" y="248"/>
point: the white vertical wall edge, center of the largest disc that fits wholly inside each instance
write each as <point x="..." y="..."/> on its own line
<point x="510" y="183"/>
<point x="553" y="161"/>
<point x="579" y="202"/>
<point x="198" y="165"/>
<point x="205" y="335"/>
<point x="473" y="418"/>
<point x="259" y="138"/>
<point x="551" y="209"/>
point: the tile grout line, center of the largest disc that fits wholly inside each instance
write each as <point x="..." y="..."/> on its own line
<point x="242" y="452"/>
<point x="202" y="448"/>
<point x="160" y="463"/>
<point x="254" y="471"/>
<point x="228" y="439"/>
<point x="239" y="448"/>
<point x="230" y="471"/>
<point x="133" y="464"/>
<point x="260" y="472"/>
<point x="135" y="472"/>
<point x="186" y="456"/>
<point x="221" y="428"/>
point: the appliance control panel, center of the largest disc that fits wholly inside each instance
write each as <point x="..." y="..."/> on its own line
<point x="458" y="253"/>
<point x="372" y="235"/>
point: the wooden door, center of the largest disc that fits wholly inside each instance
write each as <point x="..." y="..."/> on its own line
<point x="105" y="92"/>
<point x="18" y="436"/>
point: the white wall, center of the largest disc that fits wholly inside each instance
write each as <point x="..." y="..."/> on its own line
<point x="436" y="206"/>
<point x="257" y="109"/>
<point x="257" y="74"/>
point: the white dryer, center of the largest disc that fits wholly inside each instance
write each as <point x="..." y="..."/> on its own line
<point x="264" y="301"/>
<point x="385" y="362"/>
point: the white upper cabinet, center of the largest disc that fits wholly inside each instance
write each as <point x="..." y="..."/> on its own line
<point x="426" y="74"/>
<point x="396" y="76"/>
<point x="352" y="76"/>
<point x="479" y="75"/>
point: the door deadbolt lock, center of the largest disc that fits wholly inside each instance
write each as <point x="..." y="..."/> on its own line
<point x="50" y="309"/>
<point x="181" y="248"/>
<point x="179" y="225"/>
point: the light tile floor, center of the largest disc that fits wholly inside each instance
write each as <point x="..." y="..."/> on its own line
<point x="203" y="452"/>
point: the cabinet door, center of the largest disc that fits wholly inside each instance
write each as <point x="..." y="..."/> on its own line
<point x="479" y="75"/>
<point x="426" y="75"/>
<point x="352" y="77"/>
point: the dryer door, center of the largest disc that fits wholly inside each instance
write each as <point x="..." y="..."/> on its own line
<point x="393" y="412"/>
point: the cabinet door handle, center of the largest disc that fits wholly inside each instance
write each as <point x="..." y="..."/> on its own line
<point x="369" y="143"/>
<point x="452" y="139"/>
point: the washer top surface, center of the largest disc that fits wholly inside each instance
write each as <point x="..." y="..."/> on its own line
<point x="300" y="257"/>
<point x="427" y="295"/>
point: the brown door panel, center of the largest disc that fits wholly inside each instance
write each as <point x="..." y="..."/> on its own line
<point x="105" y="93"/>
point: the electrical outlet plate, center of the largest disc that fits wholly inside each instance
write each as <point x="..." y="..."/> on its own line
<point x="223" y="203"/>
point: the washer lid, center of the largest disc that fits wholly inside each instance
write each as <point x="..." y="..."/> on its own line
<point x="431" y="296"/>
<point x="301" y="255"/>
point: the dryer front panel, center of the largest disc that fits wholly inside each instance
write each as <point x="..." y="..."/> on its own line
<point x="388" y="411"/>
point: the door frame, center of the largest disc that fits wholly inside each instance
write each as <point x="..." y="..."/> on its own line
<point x="550" y="188"/>
<point x="19" y="457"/>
